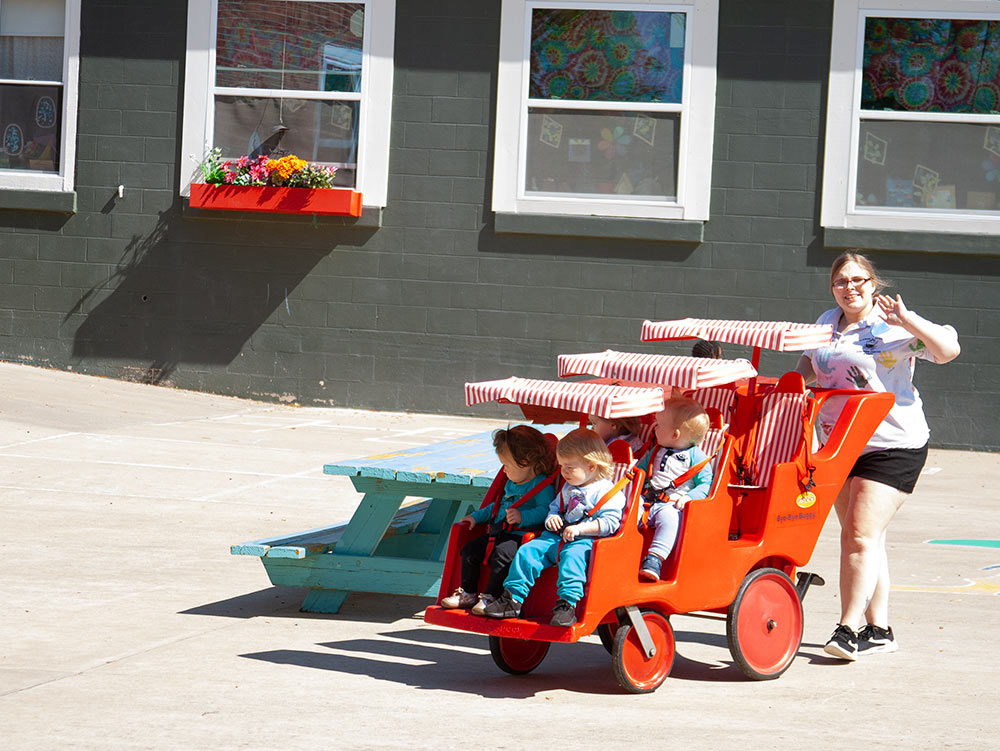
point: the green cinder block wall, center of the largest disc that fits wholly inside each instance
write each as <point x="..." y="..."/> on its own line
<point x="399" y="316"/>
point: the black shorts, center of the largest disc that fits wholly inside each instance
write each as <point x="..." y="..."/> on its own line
<point x="897" y="468"/>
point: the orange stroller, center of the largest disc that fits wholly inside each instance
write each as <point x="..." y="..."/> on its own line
<point x="737" y="551"/>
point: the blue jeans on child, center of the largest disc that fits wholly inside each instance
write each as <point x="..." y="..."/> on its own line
<point x="539" y="554"/>
<point x="664" y="519"/>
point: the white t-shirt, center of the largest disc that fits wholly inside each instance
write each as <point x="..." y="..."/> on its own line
<point x="875" y="356"/>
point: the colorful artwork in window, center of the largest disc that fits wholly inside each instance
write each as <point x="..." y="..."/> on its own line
<point x="29" y="127"/>
<point x="609" y="56"/>
<point x="933" y="65"/>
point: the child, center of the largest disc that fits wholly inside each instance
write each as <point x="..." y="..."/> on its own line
<point x="704" y="348"/>
<point x="620" y="429"/>
<point x="588" y="506"/>
<point x="528" y="461"/>
<point x="680" y="427"/>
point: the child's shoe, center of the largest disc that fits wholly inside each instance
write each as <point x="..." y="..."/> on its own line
<point x="460" y="599"/>
<point x="480" y="607"/>
<point x="563" y="614"/>
<point x="843" y="643"/>
<point x="873" y="639"/>
<point x="650" y="568"/>
<point x="505" y="606"/>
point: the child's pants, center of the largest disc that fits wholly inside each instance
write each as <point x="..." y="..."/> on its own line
<point x="535" y="556"/>
<point x="473" y="552"/>
<point x="664" y="519"/>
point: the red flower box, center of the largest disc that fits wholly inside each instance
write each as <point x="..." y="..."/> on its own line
<point x="339" y="201"/>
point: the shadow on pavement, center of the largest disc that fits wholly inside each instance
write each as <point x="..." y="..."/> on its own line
<point x="284" y="602"/>
<point x="427" y="659"/>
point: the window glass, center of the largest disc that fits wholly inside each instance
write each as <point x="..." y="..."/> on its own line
<point x="302" y="46"/>
<point x="928" y="165"/>
<point x="604" y="55"/>
<point x="314" y="130"/>
<point x="931" y="65"/>
<point x="627" y="154"/>
<point x="31" y="62"/>
<point x="280" y="49"/>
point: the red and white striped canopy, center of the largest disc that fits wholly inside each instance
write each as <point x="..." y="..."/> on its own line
<point x="667" y="370"/>
<point x="605" y="400"/>
<point x="779" y="335"/>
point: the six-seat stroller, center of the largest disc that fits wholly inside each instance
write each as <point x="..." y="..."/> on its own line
<point x="738" y="550"/>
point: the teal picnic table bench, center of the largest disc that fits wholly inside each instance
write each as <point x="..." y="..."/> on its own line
<point x="386" y="546"/>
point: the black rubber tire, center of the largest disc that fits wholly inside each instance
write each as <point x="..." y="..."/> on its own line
<point x="517" y="656"/>
<point x="606" y="632"/>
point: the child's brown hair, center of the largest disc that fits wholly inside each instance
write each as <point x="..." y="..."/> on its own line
<point x="587" y="445"/>
<point x="528" y="447"/>
<point x="688" y="416"/>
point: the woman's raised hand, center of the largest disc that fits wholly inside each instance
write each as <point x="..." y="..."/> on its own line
<point x="894" y="311"/>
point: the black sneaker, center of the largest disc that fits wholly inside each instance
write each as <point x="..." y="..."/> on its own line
<point x="843" y="643"/>
<point x="874" y="639"/>
<point x="650" y="568"/>
<point x="563" y="614"/>
<point x="505" y="606"/>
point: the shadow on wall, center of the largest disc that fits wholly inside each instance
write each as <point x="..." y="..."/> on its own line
<point x="171" y="301"/>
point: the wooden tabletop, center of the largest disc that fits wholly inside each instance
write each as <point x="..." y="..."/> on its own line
<point x="461" y="461"/>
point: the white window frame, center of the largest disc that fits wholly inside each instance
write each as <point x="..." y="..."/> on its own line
<point x="844" y="115"/>
<point x="375" y="96"/>
<point x="697" y="110"/>
<point x="63" y="181"/>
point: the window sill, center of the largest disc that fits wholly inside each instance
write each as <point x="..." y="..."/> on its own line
<point x="565" y="225"/>
<point x="930" y="242"/>
<point x="59" y="202"/>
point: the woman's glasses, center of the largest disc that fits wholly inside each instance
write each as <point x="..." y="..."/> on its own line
<point x="854" y="281"/>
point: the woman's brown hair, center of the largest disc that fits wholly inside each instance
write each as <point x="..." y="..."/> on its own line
<point x="853" y="256"/>
<point x="528" y="447"/>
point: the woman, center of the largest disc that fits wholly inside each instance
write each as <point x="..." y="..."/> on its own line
<point x="875" y="341"/>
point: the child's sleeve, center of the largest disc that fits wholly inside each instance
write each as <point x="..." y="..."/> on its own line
<point x="609" y="518"/>
<point x="482" y="515"/>
<point x="533" y="513"/>
<point x="702" y="480"/>
<point x="485" y="514"/>
<point x="553" y="509"/>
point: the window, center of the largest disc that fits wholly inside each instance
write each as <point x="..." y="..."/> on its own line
<point x="39" y="59"/>
<point x="913" y="124"/>
<point x="306" y="77"/>
<point x="606" y="108"/>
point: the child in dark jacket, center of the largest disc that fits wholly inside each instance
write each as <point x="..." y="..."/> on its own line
<point x="528" y="462"/>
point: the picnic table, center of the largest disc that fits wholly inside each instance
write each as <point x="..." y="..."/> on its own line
<point x="387" y="546"/>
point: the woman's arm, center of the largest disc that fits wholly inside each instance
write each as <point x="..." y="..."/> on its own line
<point x="941" y="341"/>
<point x="805" y="368"/>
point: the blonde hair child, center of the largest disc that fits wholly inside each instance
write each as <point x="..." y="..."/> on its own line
<point x="585" y="508"/>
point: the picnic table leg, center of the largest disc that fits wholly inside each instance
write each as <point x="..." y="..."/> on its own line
<point x="361" y="536"/>
<point x="438" y="519"/>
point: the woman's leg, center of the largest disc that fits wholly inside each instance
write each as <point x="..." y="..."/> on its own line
<point x="865" y="508"/>
<point x="877" y="612"/>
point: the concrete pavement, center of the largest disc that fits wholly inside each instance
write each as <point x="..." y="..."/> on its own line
<point x="126" y="624"/>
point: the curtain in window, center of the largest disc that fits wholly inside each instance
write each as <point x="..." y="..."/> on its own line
<point x="598" y="55"/>
<point x="934" y="65"/>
